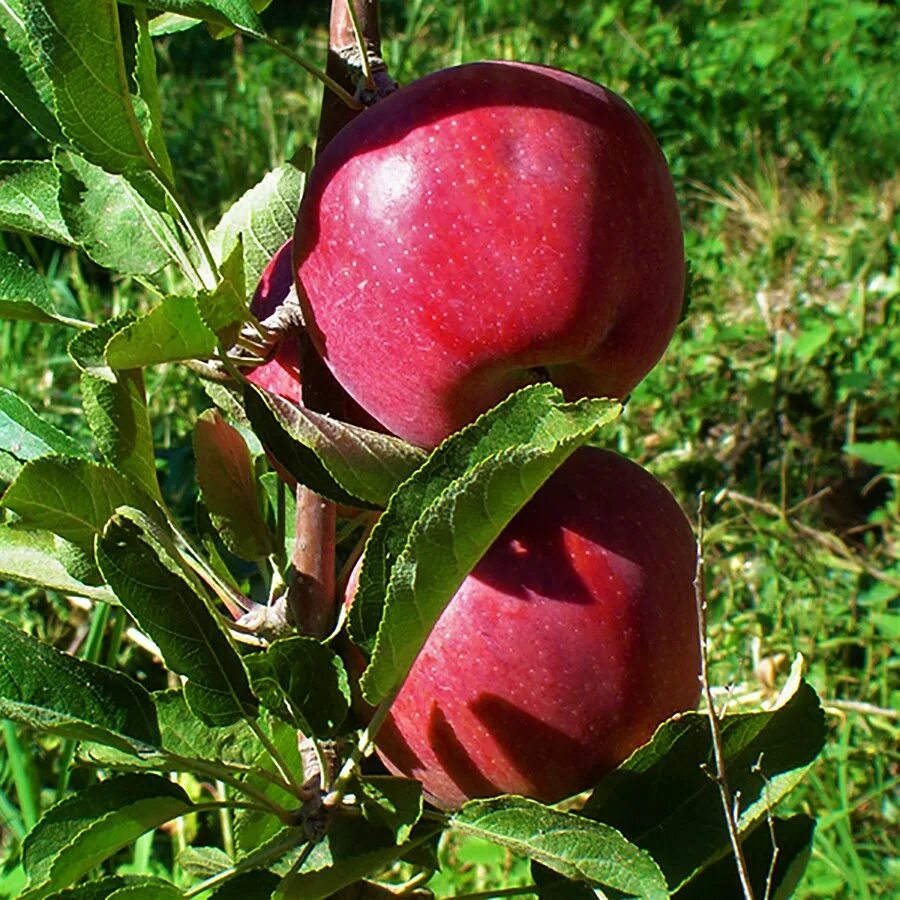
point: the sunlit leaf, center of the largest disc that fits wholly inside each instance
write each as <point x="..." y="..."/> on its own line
<point x="236" y="13"/>
<point x="79" y="45"/>
<point x="24" y="294"/>
<point x="112" y="221"/>
<point x="117" y="415"/>
<point x="446" y="515"/>
<point x="23" y="80"/>
<point x="566" y="843"/>
<point x="29" y="200"/>
<point x="56" y="692"/>
<point x="172" y="331"/>
<point x="36" y="557"/>
<point x="90" y="826"/>
<point x="25" y="436"/>
<point x="262" y="220"/>
<point x="71" y="497"/>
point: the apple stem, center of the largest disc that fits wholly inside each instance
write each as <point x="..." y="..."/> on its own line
<point x="729" y="802"/>
<point x="354" y="62"/>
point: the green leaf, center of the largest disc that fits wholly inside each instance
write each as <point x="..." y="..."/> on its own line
<point x="273" y="484"/>
<point x="663" y="799"/>
<point x="78" y="562"/>
<point x="170" y="332"/>
<point x="224" y="309"/>
<point x="566" y="843"/>
<point x="71" y="497"/>
<point x="147" y="888"/>
<point x="23" y="80"/>
<point x="9" y="468"/>
<point x="24" y="294"/>
<point x="25" y="436"/>
<point x="148" y="91"/>
<point x="253" y="829"/>
<point x="204" y="862"/>
<point x="186" y="735"/>
<point x="812" y="340"/>
<point x="888" y="624"/>
<point x="260" y="221"/>
<point x="303" y="681"/>
<point x="793" y="840"/>
<point x="238" y="14"/>
<point x="85" y="829"/>
<point x="87" y="349"/>
<point x="140" y="565"/>
<point x="79" y="45"/>
<point x="117" y="416"/>
<point x="763" y="54"/>
<point x="227" y="479"/>
<point x="554" y="886"/>
<point x="29" y="200"/>
<point x="343" y="462"/>
<point x="115" y="405"/>
<point x="34" y="557"/>
<point x="53" y="691"/>
<point x="170" y="23"/>
<point x="112" y="221"/>
<point x="393" y="803"/>
<point x="256" y="885"/>
<point x="190" y="745"/>
<point x="283" y="845"/>
<point x="130" y="887"/>
<point x="885" y="454"/>
<point x="352" y="849"/>
<point x="95" y="889"/>
<point x="446" y="515"/>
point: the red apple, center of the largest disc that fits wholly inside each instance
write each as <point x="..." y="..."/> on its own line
<point x="485" y="227"/>
<point x="280" y="373"/>
<point x="571" y="640"/>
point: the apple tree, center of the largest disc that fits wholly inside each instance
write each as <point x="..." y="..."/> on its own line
<point x="420" y="598"/>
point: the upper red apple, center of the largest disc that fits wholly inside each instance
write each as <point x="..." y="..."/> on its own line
<point x="485" y="227"/>
<point x="280" y="372"/>
<point x="570" y="641"/>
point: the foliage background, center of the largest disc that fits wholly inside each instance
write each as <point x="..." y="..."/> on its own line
<point x="778" y="396"/>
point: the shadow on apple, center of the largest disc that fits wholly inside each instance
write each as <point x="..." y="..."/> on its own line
<point x="570" y="641"/>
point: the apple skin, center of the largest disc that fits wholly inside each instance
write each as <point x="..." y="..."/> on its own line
<point x="573" y="638"/>
<point x="486" y="227"/>
<point x="280" y="373"/>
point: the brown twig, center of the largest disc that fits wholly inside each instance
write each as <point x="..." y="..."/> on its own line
<point x="348" y="63"/>
<point x="354" y="62"/>
<point x="729" y="803"/>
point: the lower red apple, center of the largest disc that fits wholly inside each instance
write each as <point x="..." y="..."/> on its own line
<point x="573" y="638"/>
<point x="486" y="227"/>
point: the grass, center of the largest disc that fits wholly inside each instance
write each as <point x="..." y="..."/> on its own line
<point x="777" y="397"/>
